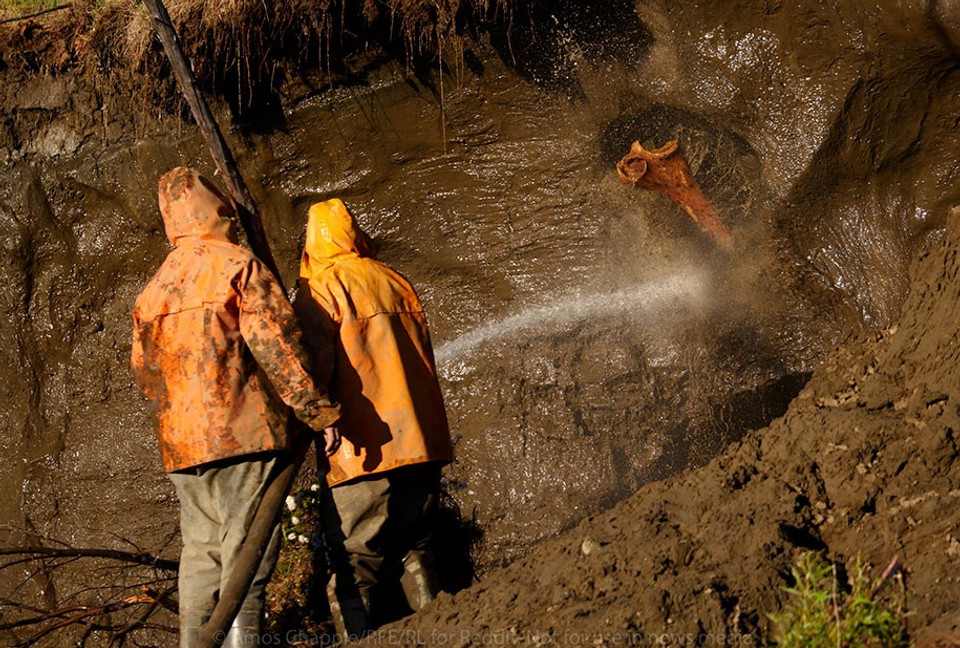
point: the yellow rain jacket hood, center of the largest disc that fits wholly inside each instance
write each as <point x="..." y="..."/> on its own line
<point x="215" y="342"/>
<point x="384" y="373"/>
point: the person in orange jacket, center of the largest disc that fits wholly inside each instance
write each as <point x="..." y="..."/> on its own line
<point x="385" y="478"/>
<point x="216" y="349"/>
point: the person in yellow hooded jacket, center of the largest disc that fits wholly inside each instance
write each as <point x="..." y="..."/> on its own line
<point x="385" y="478"/>
<point x="217" y="350"/>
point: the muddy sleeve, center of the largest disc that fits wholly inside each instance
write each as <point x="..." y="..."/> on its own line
<point x="269" y="327"/>
<point x="142" y="363"/>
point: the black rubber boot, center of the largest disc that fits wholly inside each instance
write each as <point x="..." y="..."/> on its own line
<point x="350" y="612"/>
<point x="244" y="631"/>
<point x="419" y="580"/>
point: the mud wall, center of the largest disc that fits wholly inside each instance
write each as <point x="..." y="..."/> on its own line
<point x="863" y="467"/>
<point x="589" y="337"/>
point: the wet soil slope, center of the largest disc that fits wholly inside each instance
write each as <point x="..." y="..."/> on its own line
<point x="865" y="462"/>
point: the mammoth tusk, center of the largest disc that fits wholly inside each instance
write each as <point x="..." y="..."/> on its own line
<point x="665" y="151"/>
<point x="631" y="169"/>
<point x="669" y="175"/>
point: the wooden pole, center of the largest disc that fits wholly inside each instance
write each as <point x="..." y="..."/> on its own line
<point x="238" y="584"/>
<point x="222" y="157"/>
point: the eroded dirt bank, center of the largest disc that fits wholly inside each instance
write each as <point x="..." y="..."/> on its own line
<point x="590" y="339"/>
<point x="866" y="462"/>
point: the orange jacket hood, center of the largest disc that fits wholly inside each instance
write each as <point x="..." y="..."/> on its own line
<point x="332" y="236"/>
<point x="192" y="207"/>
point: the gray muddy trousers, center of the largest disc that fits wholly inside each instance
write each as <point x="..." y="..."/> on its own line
<point x="376" y="525"/>
<point x="217" y="504"/>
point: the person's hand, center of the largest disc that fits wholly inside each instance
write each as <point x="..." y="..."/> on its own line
<point x="331" y="440"/>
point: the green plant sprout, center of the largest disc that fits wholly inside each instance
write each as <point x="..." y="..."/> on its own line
<point x="819" y="615"/>
<point x="25" y="6"/>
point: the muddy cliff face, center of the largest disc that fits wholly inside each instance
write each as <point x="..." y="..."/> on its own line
<point x="589" y="337"/>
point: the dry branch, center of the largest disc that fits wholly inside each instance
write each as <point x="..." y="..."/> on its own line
<point x="70" y="552"/>
<point x="36" y="13"/>
<point x="222" y="157"/>
<point x="28" y="624"/>
<point x="84" y="615"/>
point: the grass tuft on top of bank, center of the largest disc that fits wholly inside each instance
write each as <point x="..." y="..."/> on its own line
<point x="241" y="50"/>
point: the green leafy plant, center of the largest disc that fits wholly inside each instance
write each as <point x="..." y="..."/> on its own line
<point x="819" y="613"/>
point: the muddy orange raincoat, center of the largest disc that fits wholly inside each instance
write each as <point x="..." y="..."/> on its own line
<point x="384" y="373"/>
<point x="215" y="341"/>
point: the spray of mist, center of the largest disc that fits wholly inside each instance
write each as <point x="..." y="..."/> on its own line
<point x="648" y="299"/>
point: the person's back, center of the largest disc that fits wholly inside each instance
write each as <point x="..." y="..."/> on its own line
<point x="215" y="349"/>
<point x="207" y="326"/>
<point x="385" y="478"/>
<point x="213" y="402"/>
<point x="385" y="376"/>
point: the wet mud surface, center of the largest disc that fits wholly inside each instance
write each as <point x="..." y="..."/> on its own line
<point x="590" y="338"/>
<point x="865" y="463"/>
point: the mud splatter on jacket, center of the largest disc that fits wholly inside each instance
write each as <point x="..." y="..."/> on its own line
<point x="384" y="373"/>
<point x="215" y="341"/>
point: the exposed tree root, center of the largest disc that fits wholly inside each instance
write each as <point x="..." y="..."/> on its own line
<point x="116" y="607"/>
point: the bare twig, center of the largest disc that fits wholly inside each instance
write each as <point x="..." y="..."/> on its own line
<point x="141" y="558"/>
<point x="115" y="611"/>
<point x="36" y="13"/>
<point x="159" y="599"/>
<point x="892" y="568"/>
<point x="88" y="616"/>
<point x="836" y="605"/>
<point x="79" y="613"/>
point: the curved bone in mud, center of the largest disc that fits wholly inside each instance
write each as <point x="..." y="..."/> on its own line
<point x="665" y="170"/>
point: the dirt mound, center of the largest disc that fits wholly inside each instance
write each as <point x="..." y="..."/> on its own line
<point x="865" y="461"/>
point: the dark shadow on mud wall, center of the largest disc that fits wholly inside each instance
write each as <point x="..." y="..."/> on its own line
<point x="333" y="49"/>
<point x="545" y="41"/>
<point x="881" y="147"/>
<point x="742" y="413"/>
<point x="456" y="541"/>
